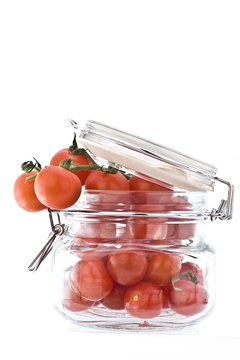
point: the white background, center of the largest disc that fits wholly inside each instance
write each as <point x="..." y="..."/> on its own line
<point x="166" y="70"/>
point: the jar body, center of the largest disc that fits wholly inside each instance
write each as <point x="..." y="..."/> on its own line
<point x="121" y="268"/>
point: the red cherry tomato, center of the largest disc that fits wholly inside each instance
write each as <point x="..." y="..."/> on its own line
<point x="25" y="195"/>
<point x="84" y="242"/>
<point x="195" y="269"/>
<point x="144" y="300"/>
<point x="77" y="159"/>
<point x="99" y="252"/>
<point x="147" y="192"/>
<point x="91" y="233"/>
<point x="127" y="267"/>
<point x="162" y="267"/>
<point x="100" y="180"/>
<point x="90" y="279"/>
<point x="139" y="184"/>
<point x="57" y="187"/>
<point x="164" y="203"/>
<point x="108" y="199"/>
<point x="148" y="228"/>
<point x="87" y="254"/>
<point x="73" y="302"/>
<point x="181" y="230"/>
<point x="117" y="198"/>
<point x="166" y="304"/>
<point x="114" y="300"/>
<point x="190" y="299"/>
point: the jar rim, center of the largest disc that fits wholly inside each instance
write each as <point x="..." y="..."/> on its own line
<point x="182" y="204"/>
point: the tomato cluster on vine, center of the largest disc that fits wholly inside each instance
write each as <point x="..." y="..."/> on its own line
<point x="59" y="185"/>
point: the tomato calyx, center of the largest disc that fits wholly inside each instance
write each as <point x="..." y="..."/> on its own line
<point x="189" y="276"/>
<point x="113" y="170"/>
<point x="109" y="169"/>
<point x="75" y="150"/>
<point x="29" y="166"/>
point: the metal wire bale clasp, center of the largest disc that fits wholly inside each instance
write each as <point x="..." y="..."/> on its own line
<point x="225" y="209"/>
<point x="57" y="230"/>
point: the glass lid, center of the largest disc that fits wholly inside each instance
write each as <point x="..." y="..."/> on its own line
<point x="145" y="158"/>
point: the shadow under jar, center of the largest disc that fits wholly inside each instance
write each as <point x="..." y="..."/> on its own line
<point x="134" y="260"/>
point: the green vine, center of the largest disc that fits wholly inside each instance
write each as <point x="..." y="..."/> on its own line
<point x="68" y="164"/>
<point x="189" y="276"/>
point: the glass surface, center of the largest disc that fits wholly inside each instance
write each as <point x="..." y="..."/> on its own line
<point x="149" y="160"/>
<point x="139" y="261"/>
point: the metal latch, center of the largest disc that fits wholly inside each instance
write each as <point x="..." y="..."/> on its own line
<point x="225" y="208"/>
<point x="57" y="230"/>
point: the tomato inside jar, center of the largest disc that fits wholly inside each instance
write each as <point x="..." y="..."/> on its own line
<point x="137" y="264"/>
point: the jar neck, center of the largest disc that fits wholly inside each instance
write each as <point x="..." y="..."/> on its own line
<point x="183" y="206"/>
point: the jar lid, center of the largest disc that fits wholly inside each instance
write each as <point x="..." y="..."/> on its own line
<point x="152" y="161"/>
<point x="147" y="159"/>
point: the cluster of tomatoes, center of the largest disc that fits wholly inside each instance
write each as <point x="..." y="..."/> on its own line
<point x="143" y="283"/>
<point x="59" y="185"/>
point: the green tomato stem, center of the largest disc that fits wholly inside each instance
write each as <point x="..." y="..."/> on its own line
<point x="76" y="167"/>
<point x="189" y="276"/>
<point x="68" y="164"/>
<point x="74" y="146"/>
<point x="78" y="294"/>
<point x="31" y="177"/>
<point x="75" y="150"/>
<point x="29" y="166"/>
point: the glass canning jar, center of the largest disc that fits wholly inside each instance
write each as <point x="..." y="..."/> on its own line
<point x="134" y="260"/>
